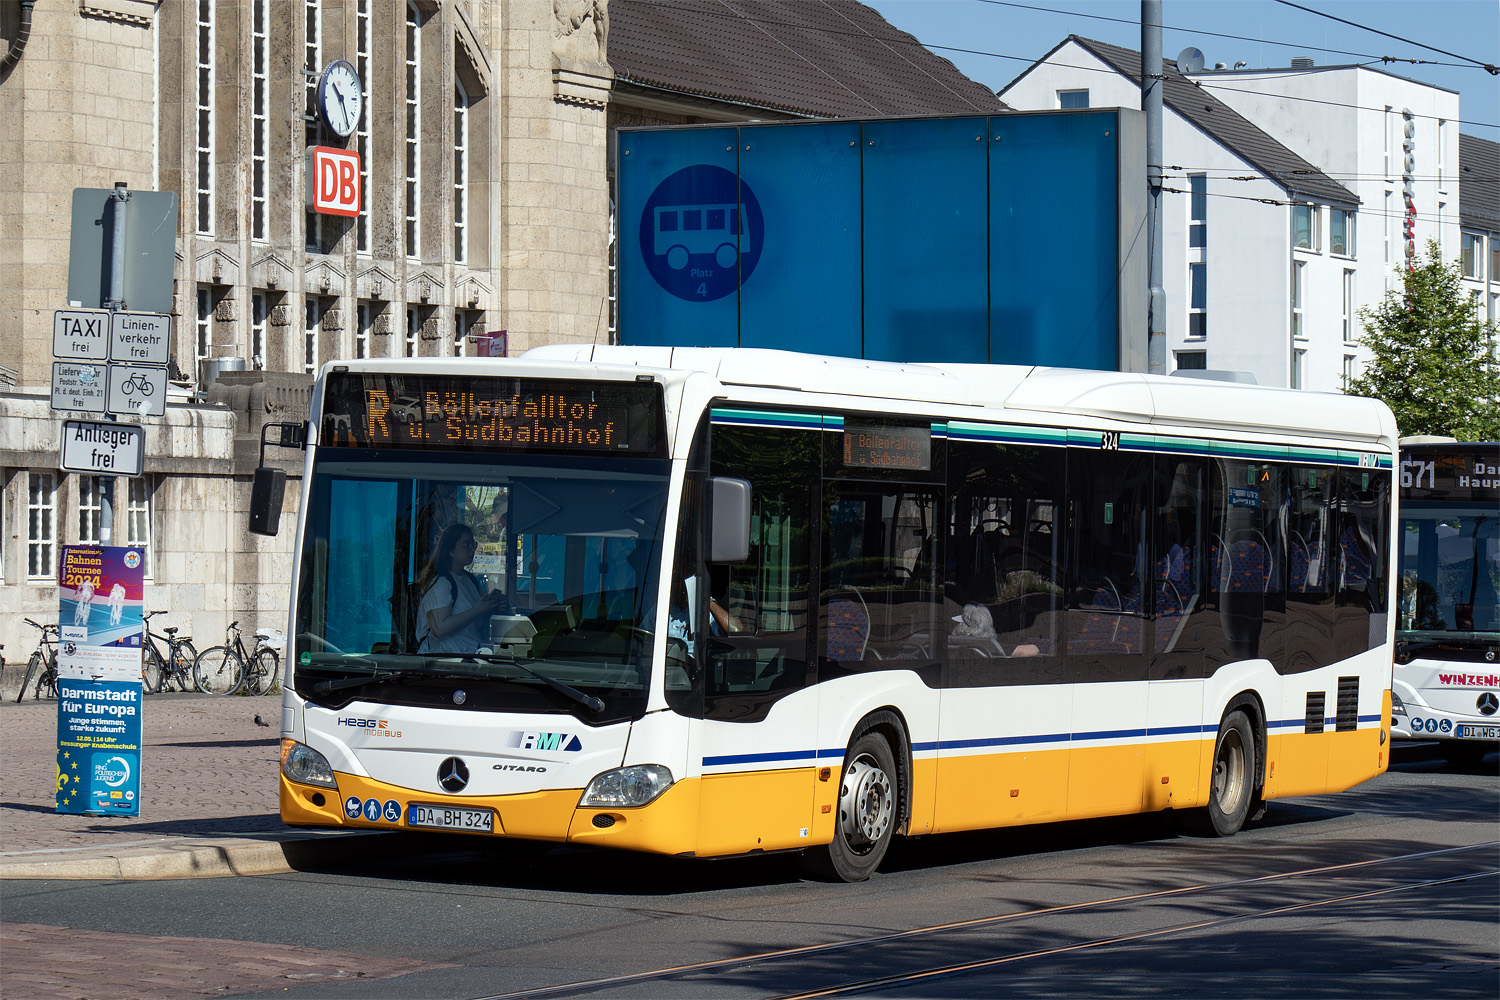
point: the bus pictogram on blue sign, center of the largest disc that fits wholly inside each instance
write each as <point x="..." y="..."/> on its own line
<point x="701" y="233"/>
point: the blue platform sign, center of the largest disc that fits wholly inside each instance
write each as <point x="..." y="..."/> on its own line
<point x="1005" y="239"/>
<point x="99" y="691"/>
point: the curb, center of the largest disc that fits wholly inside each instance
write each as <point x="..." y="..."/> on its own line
<point x="212" y="858"/>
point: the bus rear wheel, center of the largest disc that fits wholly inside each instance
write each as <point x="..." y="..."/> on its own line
<point x="1232" y="782"/>
<point x="867" y="814"/>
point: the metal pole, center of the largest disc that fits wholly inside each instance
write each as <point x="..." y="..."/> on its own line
<point x="1151" y="78"/>
<point x="118" y="201"/>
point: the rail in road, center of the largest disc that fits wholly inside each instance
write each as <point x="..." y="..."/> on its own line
<point x="1181" y="911"/>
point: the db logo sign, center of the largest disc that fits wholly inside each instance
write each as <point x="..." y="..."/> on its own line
<point x="333" y="181"/>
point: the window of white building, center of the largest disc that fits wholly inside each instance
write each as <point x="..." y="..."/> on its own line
<point x="1341" y="232"/>
<point x="1299" y="367"/>
<point x="1305" y="226"/>
<point x="41" y="527"/>
<point x="1442" y="136"/>
<point x="1389" y="215"/>
<point x="138" y="518"/>
<point x="1350" y="307"/>
<point x="1472" y="255"/>
<point x="1298" y="277"/>
<point x="1067" y="99"/>
<point x="1198" y="211"/>
<point x="1348" y="371"/>
<point x="1477" y="299"/>
<point x="1191" y="360"/>
<point x="205" y="118"/>
<point x="1197" y="300"/>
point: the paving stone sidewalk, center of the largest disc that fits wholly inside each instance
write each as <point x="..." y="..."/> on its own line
<point x="208" y="796"/>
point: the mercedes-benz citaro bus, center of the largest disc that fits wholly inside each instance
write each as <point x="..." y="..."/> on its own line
<point x="1447" y="674"/>
<point x="755" y="601"/>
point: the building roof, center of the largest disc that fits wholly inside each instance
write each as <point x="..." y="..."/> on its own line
<point x="1479" y="177"/>
<point x="1216" y="119"/>
<point x="802" y="58"/>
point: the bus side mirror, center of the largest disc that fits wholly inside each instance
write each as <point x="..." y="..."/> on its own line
<point x="729" y="520"/>
<point x="266" y="492"/>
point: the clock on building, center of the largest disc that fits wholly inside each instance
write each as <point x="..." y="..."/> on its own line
<point x="340" y="97"/>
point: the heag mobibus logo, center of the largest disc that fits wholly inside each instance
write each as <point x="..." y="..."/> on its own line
<point x="701" y="233"/>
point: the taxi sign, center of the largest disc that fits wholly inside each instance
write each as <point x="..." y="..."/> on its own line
<point x="80" y="334"/>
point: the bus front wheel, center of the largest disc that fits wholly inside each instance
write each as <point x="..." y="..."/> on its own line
<point x="868" y="801"/>
<point x="1232" y="782"/>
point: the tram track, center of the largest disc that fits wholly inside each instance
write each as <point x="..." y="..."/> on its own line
<point x="1305" y="880"/>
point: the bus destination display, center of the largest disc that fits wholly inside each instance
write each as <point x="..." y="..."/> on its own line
<point x="445" y="412"/>
<point x="888" y="447"/>
<point x="1456" y="474"/>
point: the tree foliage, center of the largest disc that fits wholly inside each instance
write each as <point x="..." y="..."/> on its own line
<point x="1431" y="360"/>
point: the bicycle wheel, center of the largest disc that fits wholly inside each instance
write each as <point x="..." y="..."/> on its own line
<point x="218" y="670"/>
<point x="33" y="669"/>
<point x="49" y="677"/>
<point x="264" y="675"/>
<point x="183" y="658"/>
<point x="153" y="673"/>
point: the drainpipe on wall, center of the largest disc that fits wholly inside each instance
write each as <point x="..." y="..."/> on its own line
<point x="18" y="44"/>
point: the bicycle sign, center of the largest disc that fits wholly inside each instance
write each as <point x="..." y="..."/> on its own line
<point x="137" y="391"/>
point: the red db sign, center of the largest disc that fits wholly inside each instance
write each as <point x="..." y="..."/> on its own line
<point x="333" y="181"/>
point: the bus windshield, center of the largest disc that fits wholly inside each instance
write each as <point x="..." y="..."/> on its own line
<point x="493" y="582"/>
<point x="1450" y="571"/>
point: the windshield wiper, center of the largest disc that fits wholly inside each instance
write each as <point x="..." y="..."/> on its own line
<point x="588" y="701"/>
<point x="392" y="676"/>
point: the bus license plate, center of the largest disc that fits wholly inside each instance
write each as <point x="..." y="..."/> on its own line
<point x="451" y="818"/>
<point x="1479" y="732"/>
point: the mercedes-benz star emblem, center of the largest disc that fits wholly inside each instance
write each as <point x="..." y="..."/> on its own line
<point x="453" y="775"/>
<point x="1488" y="703"/>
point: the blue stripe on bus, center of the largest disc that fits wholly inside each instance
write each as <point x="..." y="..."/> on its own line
<point x="762" y="758"/>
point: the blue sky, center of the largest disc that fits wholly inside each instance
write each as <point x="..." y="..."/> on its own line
<point x="993" y="41"/>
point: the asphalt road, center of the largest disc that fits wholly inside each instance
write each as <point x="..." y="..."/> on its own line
<point x="1389" y="889"/>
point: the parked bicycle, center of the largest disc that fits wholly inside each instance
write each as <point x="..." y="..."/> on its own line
<point x="42" y="667"/>
<point x="160" y="673"/>
<point x="225" y="669"/>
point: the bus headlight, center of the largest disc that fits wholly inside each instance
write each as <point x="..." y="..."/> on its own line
<point x="1398" y="707"/>
<point x="303" y="764"/>
<point x="625" y="787"/>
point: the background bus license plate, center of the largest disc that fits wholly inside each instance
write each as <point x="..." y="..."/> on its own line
<point x="450" y="818"/>
<point x="1479" y="732"/>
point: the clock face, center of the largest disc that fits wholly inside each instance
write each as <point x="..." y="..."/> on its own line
<point x="340" y="97"/>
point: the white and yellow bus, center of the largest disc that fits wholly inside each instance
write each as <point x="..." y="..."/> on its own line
<point x="761" y="601"/>
<point x="1446" y="683"/>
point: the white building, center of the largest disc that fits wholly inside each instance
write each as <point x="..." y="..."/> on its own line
<point x="1286" y="209"/>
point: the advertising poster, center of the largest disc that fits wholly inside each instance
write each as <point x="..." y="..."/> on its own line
<point x="99" y="680"/>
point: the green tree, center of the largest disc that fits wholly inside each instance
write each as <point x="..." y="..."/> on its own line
<point x="1430" y="356"/>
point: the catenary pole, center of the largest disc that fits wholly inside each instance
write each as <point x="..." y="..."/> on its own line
<point x="1151" y="84"/>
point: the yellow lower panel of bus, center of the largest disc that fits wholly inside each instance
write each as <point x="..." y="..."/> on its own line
<point x="717" y="815"/>
<point x="978" y="792"/>
<point x="1312" y="763"/>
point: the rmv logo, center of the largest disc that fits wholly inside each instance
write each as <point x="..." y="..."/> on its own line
<point x="545" y="741"/>
<point x="701" y="233"/>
